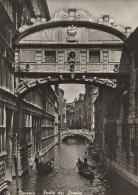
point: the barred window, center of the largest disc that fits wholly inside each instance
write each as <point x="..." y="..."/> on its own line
<point x="1" y="140"/>
<point x="94" y="56"/>
<point x="1" y="116"/>
<point x="50" y="56"/>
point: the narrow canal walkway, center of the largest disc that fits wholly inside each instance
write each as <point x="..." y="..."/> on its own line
<point x="65" y="180"/>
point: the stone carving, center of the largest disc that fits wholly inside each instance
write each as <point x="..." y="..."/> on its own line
<point x="116" y="68"/>
<point x="83" y="77"/>
<point x="38" y="82"/>
<point x="71" y="60"/>
<point x="107" y="82"/>
<point x="72" y="30"/>
<point x="72" y="33"/>
<point x="61" y="14"/>
<point x="23" y="83"/>
<point x="61" y="77"/>
<point x="84" y="15"/>
<point x="72" y="76"/>
<point x="111" y="21"/>
<point x="75" y="15"/>
<point x="100" y="21"/>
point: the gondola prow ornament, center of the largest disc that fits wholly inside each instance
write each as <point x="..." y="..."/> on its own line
<point x="71" y="60"/>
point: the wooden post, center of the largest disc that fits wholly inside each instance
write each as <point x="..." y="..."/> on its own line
<point x="59" y="136"/>
<point x="28" y="162"/>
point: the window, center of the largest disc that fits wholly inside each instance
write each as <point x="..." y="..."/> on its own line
<point x="28" y="136"/>
<point x="1" y="140"/>
<point x="133" y="139"/>
<point x="1" y="116"/>
<point x="79" y="110"/>
<point x="50" y="56"/>
<point x="94" y="56"/>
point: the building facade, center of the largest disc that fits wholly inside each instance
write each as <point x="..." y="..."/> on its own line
<point x="36" y="126"/>
<point x="79" y="112"/>
<point x="116" y="119"/>
<point x="91" y="93"/>
<point x="74" y="51"/>
<point x="8" y="24"/>
<point x="29" y="126"/>
<point x="61" y="109"/>
<point x="70" y="115"/>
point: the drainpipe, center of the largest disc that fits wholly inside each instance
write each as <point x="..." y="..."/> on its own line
<point x="104" y="142"/>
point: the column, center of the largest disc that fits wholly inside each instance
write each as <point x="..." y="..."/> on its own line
<point x="9" y="134"/>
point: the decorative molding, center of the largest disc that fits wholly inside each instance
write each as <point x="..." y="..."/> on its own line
<point x="72" y="31"/>
<point x="77" y="15"/>
<point x="72" y="14"/>
<point x="112" y="83"/>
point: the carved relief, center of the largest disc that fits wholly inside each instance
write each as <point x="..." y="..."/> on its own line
<point x="71" y="33"/>
<point x="80" y="14"/>
<point x="71" y="60"/>
<point x="61" y="14"/>
<point x="23" y="83"/>
<point x="84" y="15"/>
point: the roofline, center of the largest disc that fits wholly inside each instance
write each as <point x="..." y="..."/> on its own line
<point x="132" y="41"/>
<point x="29" y="7"/>
<point x="55" y="24"/>
<point x="44" y="8"/>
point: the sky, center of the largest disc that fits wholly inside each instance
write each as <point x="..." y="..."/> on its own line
<point x="124" y="12"/>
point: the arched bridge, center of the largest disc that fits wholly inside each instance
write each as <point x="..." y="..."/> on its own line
<point x="70" y="48"/>
<point x="83" y="133"/>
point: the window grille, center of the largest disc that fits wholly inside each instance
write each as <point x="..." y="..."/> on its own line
<point x="50" y="56"/>
<point x="94" y="56"/>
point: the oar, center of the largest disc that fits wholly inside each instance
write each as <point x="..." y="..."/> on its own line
<point x="74" y="167"/>
<point x="55" y="171"/>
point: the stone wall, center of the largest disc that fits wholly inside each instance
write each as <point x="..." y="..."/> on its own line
<point x="117" y="118"/>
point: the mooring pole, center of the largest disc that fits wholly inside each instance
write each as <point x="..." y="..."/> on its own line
<point x="16" y="173"/>
<point x="15" y="158"/>
<point x="28" y="162"/>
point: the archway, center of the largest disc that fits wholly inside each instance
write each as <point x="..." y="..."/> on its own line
<point x="71" y="48"/>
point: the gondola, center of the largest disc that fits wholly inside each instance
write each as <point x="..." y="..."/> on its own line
<point x="84" y="169"/>
<point x="44" y="168"/>
<point x="65" y="139"/>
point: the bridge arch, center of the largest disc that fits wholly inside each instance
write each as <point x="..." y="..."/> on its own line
<point x="55" y="24"/>
<point x="85" y="134"/>
<point x="79" y="18"/>
<point x="79" y="37"/>
<point x="26" y="86"/>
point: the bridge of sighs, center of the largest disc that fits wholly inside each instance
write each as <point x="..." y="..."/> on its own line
<point x="72" y="47"/>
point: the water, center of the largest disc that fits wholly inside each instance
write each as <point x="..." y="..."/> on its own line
<point x="65" y="180"/>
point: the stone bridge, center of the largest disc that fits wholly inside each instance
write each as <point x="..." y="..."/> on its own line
<point x="70" y="48"/>
<point x="83" y="133"/>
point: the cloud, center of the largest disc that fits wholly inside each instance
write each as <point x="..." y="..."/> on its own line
<point x="123" y="11"/>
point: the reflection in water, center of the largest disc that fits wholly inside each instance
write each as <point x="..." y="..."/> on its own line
<point x="65" y="176"/>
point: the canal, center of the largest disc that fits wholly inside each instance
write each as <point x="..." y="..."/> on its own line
<point x="65" y="179"/>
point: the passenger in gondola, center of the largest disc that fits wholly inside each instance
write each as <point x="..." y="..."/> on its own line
<point x="86" y="151"/>
<point x="49" y="164"/>
<point x="85" y="163"/>
<point x="79" y="161"/>
<point x="41" y="160"/>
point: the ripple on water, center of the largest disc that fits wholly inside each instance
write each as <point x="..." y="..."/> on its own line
<point x="66" y="177"/>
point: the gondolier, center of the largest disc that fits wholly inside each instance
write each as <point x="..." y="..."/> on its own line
<point x="84" y="169"/>
<point x="37" y="158"/>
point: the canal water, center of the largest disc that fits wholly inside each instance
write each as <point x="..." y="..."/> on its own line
<point x="65" y="180"/>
